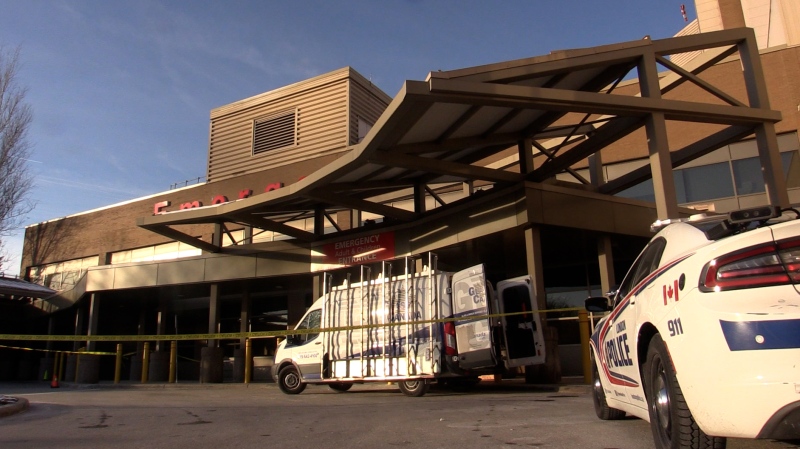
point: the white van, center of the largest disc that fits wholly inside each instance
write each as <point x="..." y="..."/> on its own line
<point x="414" y="328"/>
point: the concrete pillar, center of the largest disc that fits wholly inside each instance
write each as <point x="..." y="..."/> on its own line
<point x="94" y="319"/>
<point x="657" y="143"/>
<point x="161" y="323"/>
<point x="238" y="364"/>
<point x="69" y="370"/>
<point x="158" y="369"/>
<point x="78" y="326"/>
<point x="605" y="259"/>
<point x="211" y="357"/>
<point x="211" y="365"/>
<point x="244" y="326"/>
<point x="767" y="141"/>
<point x="136" y="359"/>
<point x="88" y="369"/>
<point x="213" y="314"/>
<point x="550" y="372"/>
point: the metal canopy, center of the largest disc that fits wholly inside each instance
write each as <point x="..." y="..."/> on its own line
<point x="504" y="124"/>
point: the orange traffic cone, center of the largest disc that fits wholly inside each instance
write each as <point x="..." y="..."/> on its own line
<point x="54" y="382"/>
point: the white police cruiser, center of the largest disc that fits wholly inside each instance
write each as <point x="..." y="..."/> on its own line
<point x="703" y="335"/>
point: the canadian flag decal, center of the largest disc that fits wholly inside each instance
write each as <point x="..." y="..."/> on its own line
<point x="670" y="291"/>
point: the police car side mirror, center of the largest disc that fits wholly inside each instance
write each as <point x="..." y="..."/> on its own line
<point x="597" y="304"/>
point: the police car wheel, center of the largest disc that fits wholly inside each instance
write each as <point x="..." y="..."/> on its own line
<point x="340" y="386"/>
<point x="601" y="408"/>
<point x="671" y="421"/>
<point x="413" y="388"/>
<point x="289" y="380"/>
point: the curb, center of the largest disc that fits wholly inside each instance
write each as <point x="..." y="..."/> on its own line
<point x="11" y="409"/>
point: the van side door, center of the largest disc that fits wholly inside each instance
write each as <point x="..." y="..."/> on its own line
<point x="307" y="348"/>
<point x="522" y="328"/>
<point x="473" y="330"/>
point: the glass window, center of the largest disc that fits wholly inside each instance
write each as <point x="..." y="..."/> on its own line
<point x="703" y="183"/>
<point x="642" y="191"/>
<point x="747" y="173"/>
<point x="749" y="180"/>
<point x="791" y="168"/>
<point x="311" y="321"/>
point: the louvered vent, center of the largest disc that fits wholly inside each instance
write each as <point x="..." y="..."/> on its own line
<point x="271" y="133"/>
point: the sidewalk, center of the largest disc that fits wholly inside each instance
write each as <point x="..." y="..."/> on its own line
<point x="568" y="385"/>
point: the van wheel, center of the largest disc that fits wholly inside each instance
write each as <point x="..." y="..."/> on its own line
<point x="413" y="388"/>
<point x="340" y="386"/>
<point x="601" y="408"/>
<point x="671" y="421"/>
<point x="289" y="380"/>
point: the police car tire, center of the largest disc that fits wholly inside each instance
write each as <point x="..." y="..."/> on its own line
<point x="289" y="380"/>
<point x="413" y="388"/>
<point x="671" y="421"/>
<point x="601" y="408"/>
<point x="340" y="386"/>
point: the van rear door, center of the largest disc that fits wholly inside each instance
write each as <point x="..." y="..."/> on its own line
<point x="473" y="330"/>
<point x="522" y="329"/>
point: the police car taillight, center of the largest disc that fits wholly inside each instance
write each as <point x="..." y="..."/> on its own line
<point x="450" y="338"/>
<point x="758" y="266"/>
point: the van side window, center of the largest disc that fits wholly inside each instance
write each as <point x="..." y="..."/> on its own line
<point x="311" y="321"/>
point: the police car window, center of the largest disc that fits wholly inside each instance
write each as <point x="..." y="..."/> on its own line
<point x="646" y="263"/>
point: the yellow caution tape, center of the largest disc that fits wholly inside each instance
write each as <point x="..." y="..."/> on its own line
<point x="63" y="352"/>
<point x="263" y="334"/>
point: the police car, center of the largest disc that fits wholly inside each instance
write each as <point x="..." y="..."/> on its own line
<point x="703" y="335"/>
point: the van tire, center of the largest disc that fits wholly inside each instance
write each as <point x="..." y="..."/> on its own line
<point x="340" y="386"/>
<point x="289" y="380"/>
<point x="413" y="388"/>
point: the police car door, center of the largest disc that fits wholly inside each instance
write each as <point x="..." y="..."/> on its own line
<point x="471" y="307"/>
<point x="619" y="358"/>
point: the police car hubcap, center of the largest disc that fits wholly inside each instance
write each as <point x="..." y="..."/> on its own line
<point x="662" y="401"/>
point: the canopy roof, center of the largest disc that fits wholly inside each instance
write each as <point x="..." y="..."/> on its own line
<point x="503" y="124"/>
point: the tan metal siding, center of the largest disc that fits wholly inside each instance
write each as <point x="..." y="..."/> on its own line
<point x="364" y="103"/>
<point x="321" y="106"/>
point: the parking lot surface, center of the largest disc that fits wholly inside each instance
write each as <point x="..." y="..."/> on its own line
<point x="372" y="415"/>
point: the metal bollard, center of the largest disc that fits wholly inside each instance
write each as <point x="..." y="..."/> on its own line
<point x="583" y="323"/>
<point x="118" y="364"/>
<point x="248" y="360"/>
<point x="61" y="364"/>
<point x="145" y="362"/>
<point x="173" y="361"/>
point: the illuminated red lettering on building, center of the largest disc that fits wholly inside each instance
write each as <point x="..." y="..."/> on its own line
<point x="191" y="205"/>
<point x="273" y="186"/>
<point x="159" y="207"/>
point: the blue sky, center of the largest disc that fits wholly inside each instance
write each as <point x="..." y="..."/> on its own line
<point x="122" y="90"/>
